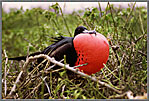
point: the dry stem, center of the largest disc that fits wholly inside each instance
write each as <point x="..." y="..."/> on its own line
<point x="5" y="72"/>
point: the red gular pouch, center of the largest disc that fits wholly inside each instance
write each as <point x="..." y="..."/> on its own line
<point x="92" y="49"/>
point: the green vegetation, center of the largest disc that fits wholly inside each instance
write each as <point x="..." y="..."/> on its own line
<point x="32" y="29"/>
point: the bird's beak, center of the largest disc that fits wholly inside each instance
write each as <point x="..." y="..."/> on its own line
<point x="90" y="32"/>
<point x="85" y="31"/>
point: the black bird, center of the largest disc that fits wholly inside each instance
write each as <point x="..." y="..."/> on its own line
<point x="85" y="47"/>
<point x="62" y="46"/>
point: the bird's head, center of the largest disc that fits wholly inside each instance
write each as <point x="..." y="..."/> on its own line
<point x="82" y="29"/>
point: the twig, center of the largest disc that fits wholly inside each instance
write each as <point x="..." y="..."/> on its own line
<point x="57" y="70"/>
<point x="5" y="72"/>
<point x="31" y="43"/>
<point x="35" y="69"/>
<point x="100" y="9"/>
<point x="140" y="38"/>
<point x="140" y="18"/>
<point x="115" y="53"/>
<point x="118" y="96"/>
<point x="113" y="20"/>
<point x="142" y="53"/>
<point x="47" y="86"/>
<point x="80" y="65"/>
<point x="111" y="72"/>
<point x="129" y="14"/>
<point x="28" y="50"/>
<point x="63" y="92"/>
<point x="35" y="88"/>
<point x="53" y="65"/>
<point x="29" y="75"/>
<point x="14" y="86"/>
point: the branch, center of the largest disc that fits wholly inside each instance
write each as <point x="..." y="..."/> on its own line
<point x="61" y="65"/>
<point x="73" y="70"/>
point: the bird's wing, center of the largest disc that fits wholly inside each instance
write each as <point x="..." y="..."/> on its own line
<point x="61" y="48"/>
<point x="60" y="51"/>
<point x="60" y="41"/>
<point x="65" y="49"/>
